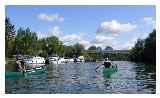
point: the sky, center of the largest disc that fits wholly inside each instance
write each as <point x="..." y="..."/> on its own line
<point x="118" y="26"/>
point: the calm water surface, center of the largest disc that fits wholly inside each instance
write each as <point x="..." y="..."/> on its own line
<point x="131" y="78"/>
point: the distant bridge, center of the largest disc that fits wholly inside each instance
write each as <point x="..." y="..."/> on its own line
<point x="117" y="51"/>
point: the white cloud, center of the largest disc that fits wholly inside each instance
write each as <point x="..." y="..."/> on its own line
<point x="149" y="20"/>
<point x="71" y="37"/>
<point x="103" y="39"/>
<point x="114" y="28"/>
<point x="55" y="31"/>
<point x="116" y="45"/>
<point x="124" y="46"/>
<point x="67" y="39"/>
<point x="108" y="31"/>
<point x="86" y="43"/>
<point x="50" y="17"/>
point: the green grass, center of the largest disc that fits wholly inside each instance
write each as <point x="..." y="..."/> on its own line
<point x="10" y="62"/>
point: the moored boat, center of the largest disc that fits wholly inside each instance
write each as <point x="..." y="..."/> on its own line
<point x="35" y="60"/>
<point x="81" y="59"/>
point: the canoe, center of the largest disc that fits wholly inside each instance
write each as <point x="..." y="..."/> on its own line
<point x="27" y="73"/>
<point x="109" y="71"/>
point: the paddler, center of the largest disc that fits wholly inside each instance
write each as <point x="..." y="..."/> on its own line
<point x="107" y="63"/>
<point x="20" y="66"/>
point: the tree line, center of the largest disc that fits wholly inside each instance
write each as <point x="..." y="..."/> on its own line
<point x="24" y="41"/>
<point x="145" y="49"/>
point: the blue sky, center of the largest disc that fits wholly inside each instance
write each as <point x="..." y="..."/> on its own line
<point x="116" y="26"/>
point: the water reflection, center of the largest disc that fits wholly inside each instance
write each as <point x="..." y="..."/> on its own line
<point x="146" y="77"/>
<point x="82" y="78"/>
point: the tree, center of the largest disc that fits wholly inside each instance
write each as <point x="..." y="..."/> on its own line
<point x="94" y="52"/>
<point x="68" y="51"/>
<point x="145" y="50"/>
<point x="9" y="37"/>
<point x="94" y="48"/>
<point x="108" y="48"/>
<point x="9" y="29"/>
<point x="150" y="48"/>
<point x="99" y="49"/>
<point x="42" y="47"/>
<point x="78" y="49"/>
<point x="55" y="46"/>
<point x="26" y="42"/>
<point x="51" y="46"/>
<point x="138" y="50"/>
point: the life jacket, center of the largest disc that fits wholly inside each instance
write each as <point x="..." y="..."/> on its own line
<point x="107" y="64"/>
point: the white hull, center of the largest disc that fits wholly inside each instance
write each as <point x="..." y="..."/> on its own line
<point x="56" y="60"/>
<point x="35" y="61"/>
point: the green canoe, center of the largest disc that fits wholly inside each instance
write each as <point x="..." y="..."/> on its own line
<point x="27" y="73"/>
<point x="109" y="71"/>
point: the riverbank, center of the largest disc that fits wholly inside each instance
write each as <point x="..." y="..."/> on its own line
<point x="9" y="62"/>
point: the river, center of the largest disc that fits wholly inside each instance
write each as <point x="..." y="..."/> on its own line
<point x="81" y="78"/>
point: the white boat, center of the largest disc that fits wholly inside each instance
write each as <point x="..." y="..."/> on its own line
<point x="35" y="60"/>
<point x="66" y="60"/>
<point x="61" y="60"/>
<point x="70" y="60"/>
<point x="81" y="59"/>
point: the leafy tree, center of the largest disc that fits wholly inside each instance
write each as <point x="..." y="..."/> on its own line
<point x="26" y="42"/>
<point x="94" y="53"/>
<point x="150" y="48"/>
<point x="94" y="48"/>
<point x="108" y="48"/>
<point x="9" y="37"/>
<point x="145" y="50"/>
<point x="9" y="29"/>
<point x="78" y="49"/>
<point x="99" y="49"/>
<point x="137" y="51"/>
<point x="68" y="51"/>
<point x="51" y="46"/>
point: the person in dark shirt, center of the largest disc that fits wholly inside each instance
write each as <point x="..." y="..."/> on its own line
<point x="107" y="63"/>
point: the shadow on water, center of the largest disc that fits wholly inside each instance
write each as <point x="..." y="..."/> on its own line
<point x="147" y="75"/>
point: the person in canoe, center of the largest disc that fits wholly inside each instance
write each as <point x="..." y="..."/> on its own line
<point x="107" y="63"/>
<point x="20" y="66"/>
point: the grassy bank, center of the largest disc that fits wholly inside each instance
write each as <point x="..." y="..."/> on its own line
<point x="10" y="62"/>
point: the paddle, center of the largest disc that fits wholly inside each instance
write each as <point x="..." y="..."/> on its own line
<point x="98" y="67"/>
